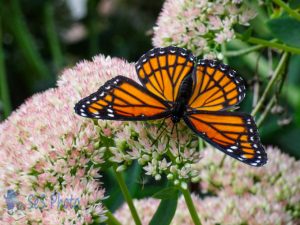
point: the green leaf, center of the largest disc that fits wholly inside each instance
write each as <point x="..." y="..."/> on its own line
<point x="165" y="212"/>
<point x="132" y="178"/>
<point x="166" y="193"/>
<point x="247" y="34"/>
<point x="286" y="29"/>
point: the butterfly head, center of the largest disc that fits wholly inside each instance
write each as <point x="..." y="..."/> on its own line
<point x="175" y="118"/>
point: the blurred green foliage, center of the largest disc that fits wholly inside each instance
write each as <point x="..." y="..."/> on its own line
<point x="39" y="38"/>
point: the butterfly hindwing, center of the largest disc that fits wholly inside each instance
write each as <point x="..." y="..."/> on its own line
<point x="122" y="99"/>
<point x="161" y="70"/>
<point x="231" y="132"/>
<point x="216" y="87"/>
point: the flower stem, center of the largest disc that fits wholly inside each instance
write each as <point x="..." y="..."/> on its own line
<point x="25" y="41"/>
<point x="92" y="26"/>
<point x="187" y="196"/>
<point x="243" y="51"/>
<point x="277" y="73"/>
<point x="127" y="197"/>
<point x="111" y="219"/>
<point x="270" y="44"/>
<point x="4" y="92"/>
<point x="223" y="48"/>
<point x="266" y="111"/>
<point x="293" y="13"/>
<point x="250" y="59"/>
<point x="52" y="35"/>
<point x="200" y="144"/>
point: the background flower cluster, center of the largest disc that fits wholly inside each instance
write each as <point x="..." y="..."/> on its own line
<point x="202" y="26"/>
<point x="233" y="193"/>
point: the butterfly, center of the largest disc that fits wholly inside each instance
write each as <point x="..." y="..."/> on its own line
<point x="174" y="84"/>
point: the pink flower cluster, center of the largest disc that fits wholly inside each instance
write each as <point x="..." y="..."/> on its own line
<point x="46" y="148"/>
<point x="200" y="25"/>
<point x="238" y="194"/>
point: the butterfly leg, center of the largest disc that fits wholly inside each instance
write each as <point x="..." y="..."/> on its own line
<point x="177" y="139"/>
<point x="159" y="128"/>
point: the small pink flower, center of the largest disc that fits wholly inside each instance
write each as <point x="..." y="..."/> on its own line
<point x="107" y="132"/>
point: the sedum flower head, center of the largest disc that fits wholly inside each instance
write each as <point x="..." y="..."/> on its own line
<point x="125" y="142"/>
<point x="46" y="147"/>
<point x="238" y="194"/>
<point x="200" y="25"/>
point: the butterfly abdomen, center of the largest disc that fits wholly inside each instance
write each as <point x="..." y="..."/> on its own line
<point x="184" y="95"/>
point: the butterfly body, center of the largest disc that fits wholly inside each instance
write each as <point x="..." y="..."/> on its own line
<point x="184" y="94"/>
<point x="174" y="84"/>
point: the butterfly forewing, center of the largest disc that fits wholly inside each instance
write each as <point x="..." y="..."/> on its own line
<point x="233" y="133"/>
<point x="122" y="99"/>
<point x="161" y="70"/>
<point x="216" y="87"/>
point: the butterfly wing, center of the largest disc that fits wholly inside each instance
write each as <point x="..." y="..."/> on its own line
<point x="233" y="133"/>
<point x="161" y="70"/>
<point x="122" y="99"/>
<point x="216" y="87"/>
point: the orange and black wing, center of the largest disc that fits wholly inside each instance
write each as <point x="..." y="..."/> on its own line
<point x="122" y="99"/>
<point x="233" y="133"/>
<point x="161" y="70"/>
<point x="216" y="87"/>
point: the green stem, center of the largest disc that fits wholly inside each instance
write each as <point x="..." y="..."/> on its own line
<point x="25" y="40"/>
<point x="111" y="219"/>
<point x="92" y="27"/>
<point x="200" y="144"/>
<point x="243" y="51"/>
<point x="52" y="35"/>
<point x="250" y="59"/>
<point x="127" y="197"/>
<point x="287" y="9"/>
<point x="223" y="48"/>
<point x="187" y="196"/>
<point x="271" y="44"/>
<point x="277" y="73"/>
<point x="4" y="93"/>
<point x="266" y="111"/>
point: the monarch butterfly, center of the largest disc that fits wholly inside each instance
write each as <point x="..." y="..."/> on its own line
<point x="176" y="85"/>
